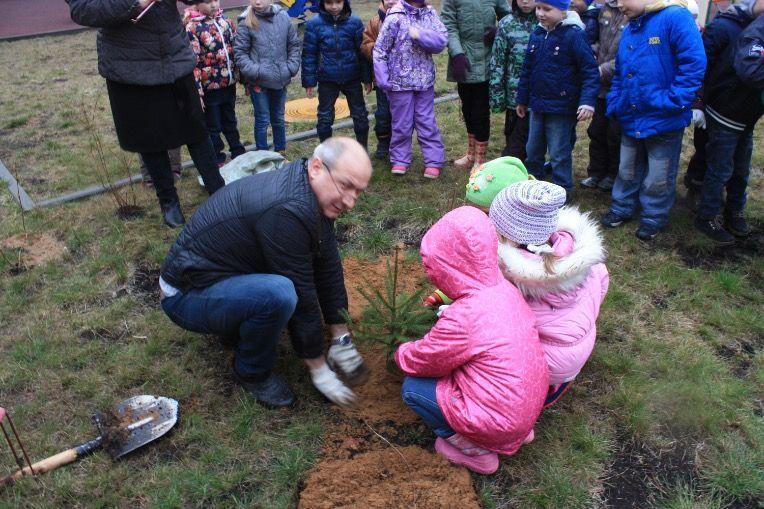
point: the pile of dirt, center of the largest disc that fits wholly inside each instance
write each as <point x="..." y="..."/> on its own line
<point x="379" y="399"/>
<point x="367" y="274"/>
<point x="389" y="478"/>
<point x="34" y="248"/>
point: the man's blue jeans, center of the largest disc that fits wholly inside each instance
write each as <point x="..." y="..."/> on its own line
<point x="382" y="117"/>
<point x="269" y="109"/>
<point x="254" y="307"/>
<point x="728" y="160"/>
<point x="647" y="177"/>
<point x="419" y="394"/>
<point x="553" y="132"/>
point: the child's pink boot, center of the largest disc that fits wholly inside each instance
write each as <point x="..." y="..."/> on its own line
<point x="460" y="451"/>
<point x="431" y="173"/>
<point x="399" y="169"/>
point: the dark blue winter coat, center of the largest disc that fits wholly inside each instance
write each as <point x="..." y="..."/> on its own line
<point x="331" y="49"/>
<point x="590" y="19"/>
<point x="732" y="98"/>
<point x="559" y="72"/>
<point x="658" y="69"/>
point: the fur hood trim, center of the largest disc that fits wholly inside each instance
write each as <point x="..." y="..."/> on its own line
<point x="528" y="273"/>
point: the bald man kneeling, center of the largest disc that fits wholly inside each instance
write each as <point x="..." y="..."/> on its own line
<point x="260" y="255"/>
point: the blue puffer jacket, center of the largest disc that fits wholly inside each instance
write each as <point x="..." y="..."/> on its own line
<point x="331" y="49"/>
<point x="660" y="65"/>
<point x="559" y="71"/>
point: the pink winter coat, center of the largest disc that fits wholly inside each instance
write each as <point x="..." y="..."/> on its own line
<point x="484" y="349"/>
<point x="566" y="303"/>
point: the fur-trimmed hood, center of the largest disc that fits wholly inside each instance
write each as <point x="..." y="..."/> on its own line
<point x="526" y="270"/>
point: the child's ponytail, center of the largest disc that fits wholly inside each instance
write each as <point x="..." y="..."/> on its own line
<point x="252" y="21"/>
<point x="549" y="260"/>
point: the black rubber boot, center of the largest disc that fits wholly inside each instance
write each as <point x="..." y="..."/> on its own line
<point x="383" y="147"/>
<point x="273" y="392"/>
<point x="172" y="214"/>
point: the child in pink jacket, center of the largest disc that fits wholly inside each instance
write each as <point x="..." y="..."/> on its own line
<point x="554" y="255"/>
<point x="479" y="377"/>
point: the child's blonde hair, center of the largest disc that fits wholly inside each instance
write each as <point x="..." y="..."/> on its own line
<point x="549" y="259"/>
<point x="252" y="21"/>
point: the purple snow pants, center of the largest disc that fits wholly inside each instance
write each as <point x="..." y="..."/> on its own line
<point x="411" y="109"/>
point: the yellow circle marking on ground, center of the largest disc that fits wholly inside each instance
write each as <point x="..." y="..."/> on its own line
<point x="304" y="110"/>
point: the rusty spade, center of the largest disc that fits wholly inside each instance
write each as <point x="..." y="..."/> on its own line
<point x="131" y="424"/>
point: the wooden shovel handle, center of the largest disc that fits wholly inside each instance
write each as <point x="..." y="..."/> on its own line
<point x="53" y="462"/>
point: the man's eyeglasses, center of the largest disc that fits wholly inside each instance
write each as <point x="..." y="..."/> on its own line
<point x="349" y="188"/>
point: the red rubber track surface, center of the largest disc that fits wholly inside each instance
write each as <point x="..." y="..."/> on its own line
<point x="24" y="18"/>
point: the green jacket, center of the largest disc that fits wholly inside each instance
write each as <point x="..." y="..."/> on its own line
<point x="466" y="21"/>
<point x="507" y="59"/>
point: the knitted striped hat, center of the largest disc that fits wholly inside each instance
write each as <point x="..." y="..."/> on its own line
<point x="527" y="212"/>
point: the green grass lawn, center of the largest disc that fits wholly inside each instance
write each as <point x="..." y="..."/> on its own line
<point x="667" y="413"/>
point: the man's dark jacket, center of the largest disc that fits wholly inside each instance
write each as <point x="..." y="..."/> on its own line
<point x="269" y="223"/>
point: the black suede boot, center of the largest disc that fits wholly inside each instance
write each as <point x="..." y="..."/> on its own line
<point x="172" y="214"/>
<point x="273" y="392"/>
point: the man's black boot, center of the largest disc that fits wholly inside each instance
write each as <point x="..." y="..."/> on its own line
<point x="273" y="392"/>
<point x="172" y="214"/>
<point x="713" y="229"/>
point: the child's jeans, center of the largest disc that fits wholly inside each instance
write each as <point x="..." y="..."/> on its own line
<point x="415" y="109"/>
<point x="382" y="117"/>
<point x="220" y="115"/>
<point x="327" y="96"/>
<point x="554" y="132"/>
<point x="419" y="394"/>
<point x="515" y="135"/>
<point x="728" y="156"/>
<point x="604" y="143"/>
<point x="269" y="109"/>
<point x="647" y="177"/>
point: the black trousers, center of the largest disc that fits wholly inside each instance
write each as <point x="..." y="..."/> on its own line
<point x="203" y="155"/>
<point x="696" y="168"/>
<point x="328" y="93"/>
<point x="516" y="135"/>
<point x="475" y="109"/>
<point x="604" y="143"/>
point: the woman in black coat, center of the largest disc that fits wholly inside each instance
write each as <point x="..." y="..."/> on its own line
<point x="145" y="56"/>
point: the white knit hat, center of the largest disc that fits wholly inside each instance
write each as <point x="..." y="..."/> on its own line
<point x="527" y="212"/>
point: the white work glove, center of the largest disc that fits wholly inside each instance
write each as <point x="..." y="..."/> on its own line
<point x="343" y="358"/>
<point x="440" y="310"/>
<point x="326" y="381"/>
<point x="699" y="118"/>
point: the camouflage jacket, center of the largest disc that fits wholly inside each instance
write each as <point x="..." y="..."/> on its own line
<point x="507" y="58"/>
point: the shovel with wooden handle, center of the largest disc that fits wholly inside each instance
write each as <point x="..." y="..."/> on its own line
<point x="131" y="424"/>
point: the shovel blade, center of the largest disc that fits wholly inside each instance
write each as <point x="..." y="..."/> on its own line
<point x="137" y="421"/>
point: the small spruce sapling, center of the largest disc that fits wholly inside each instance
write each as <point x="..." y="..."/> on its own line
<point x="391" y="318"/>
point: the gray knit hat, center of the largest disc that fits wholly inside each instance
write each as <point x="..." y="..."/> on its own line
<point x="527" y="212"/>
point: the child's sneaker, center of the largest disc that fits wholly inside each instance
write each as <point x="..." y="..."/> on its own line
<point x="612" y="220"/>
<point x="529" y="438"/>
<point x="431" y="172"/>
<point x="399" y="169"/>
<point x="460" y="451"/>
<point x="589" y="182"/>
<point x="606" y="184"/>
<point x="736" y="224"/>
<point x="647" y="232"/>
